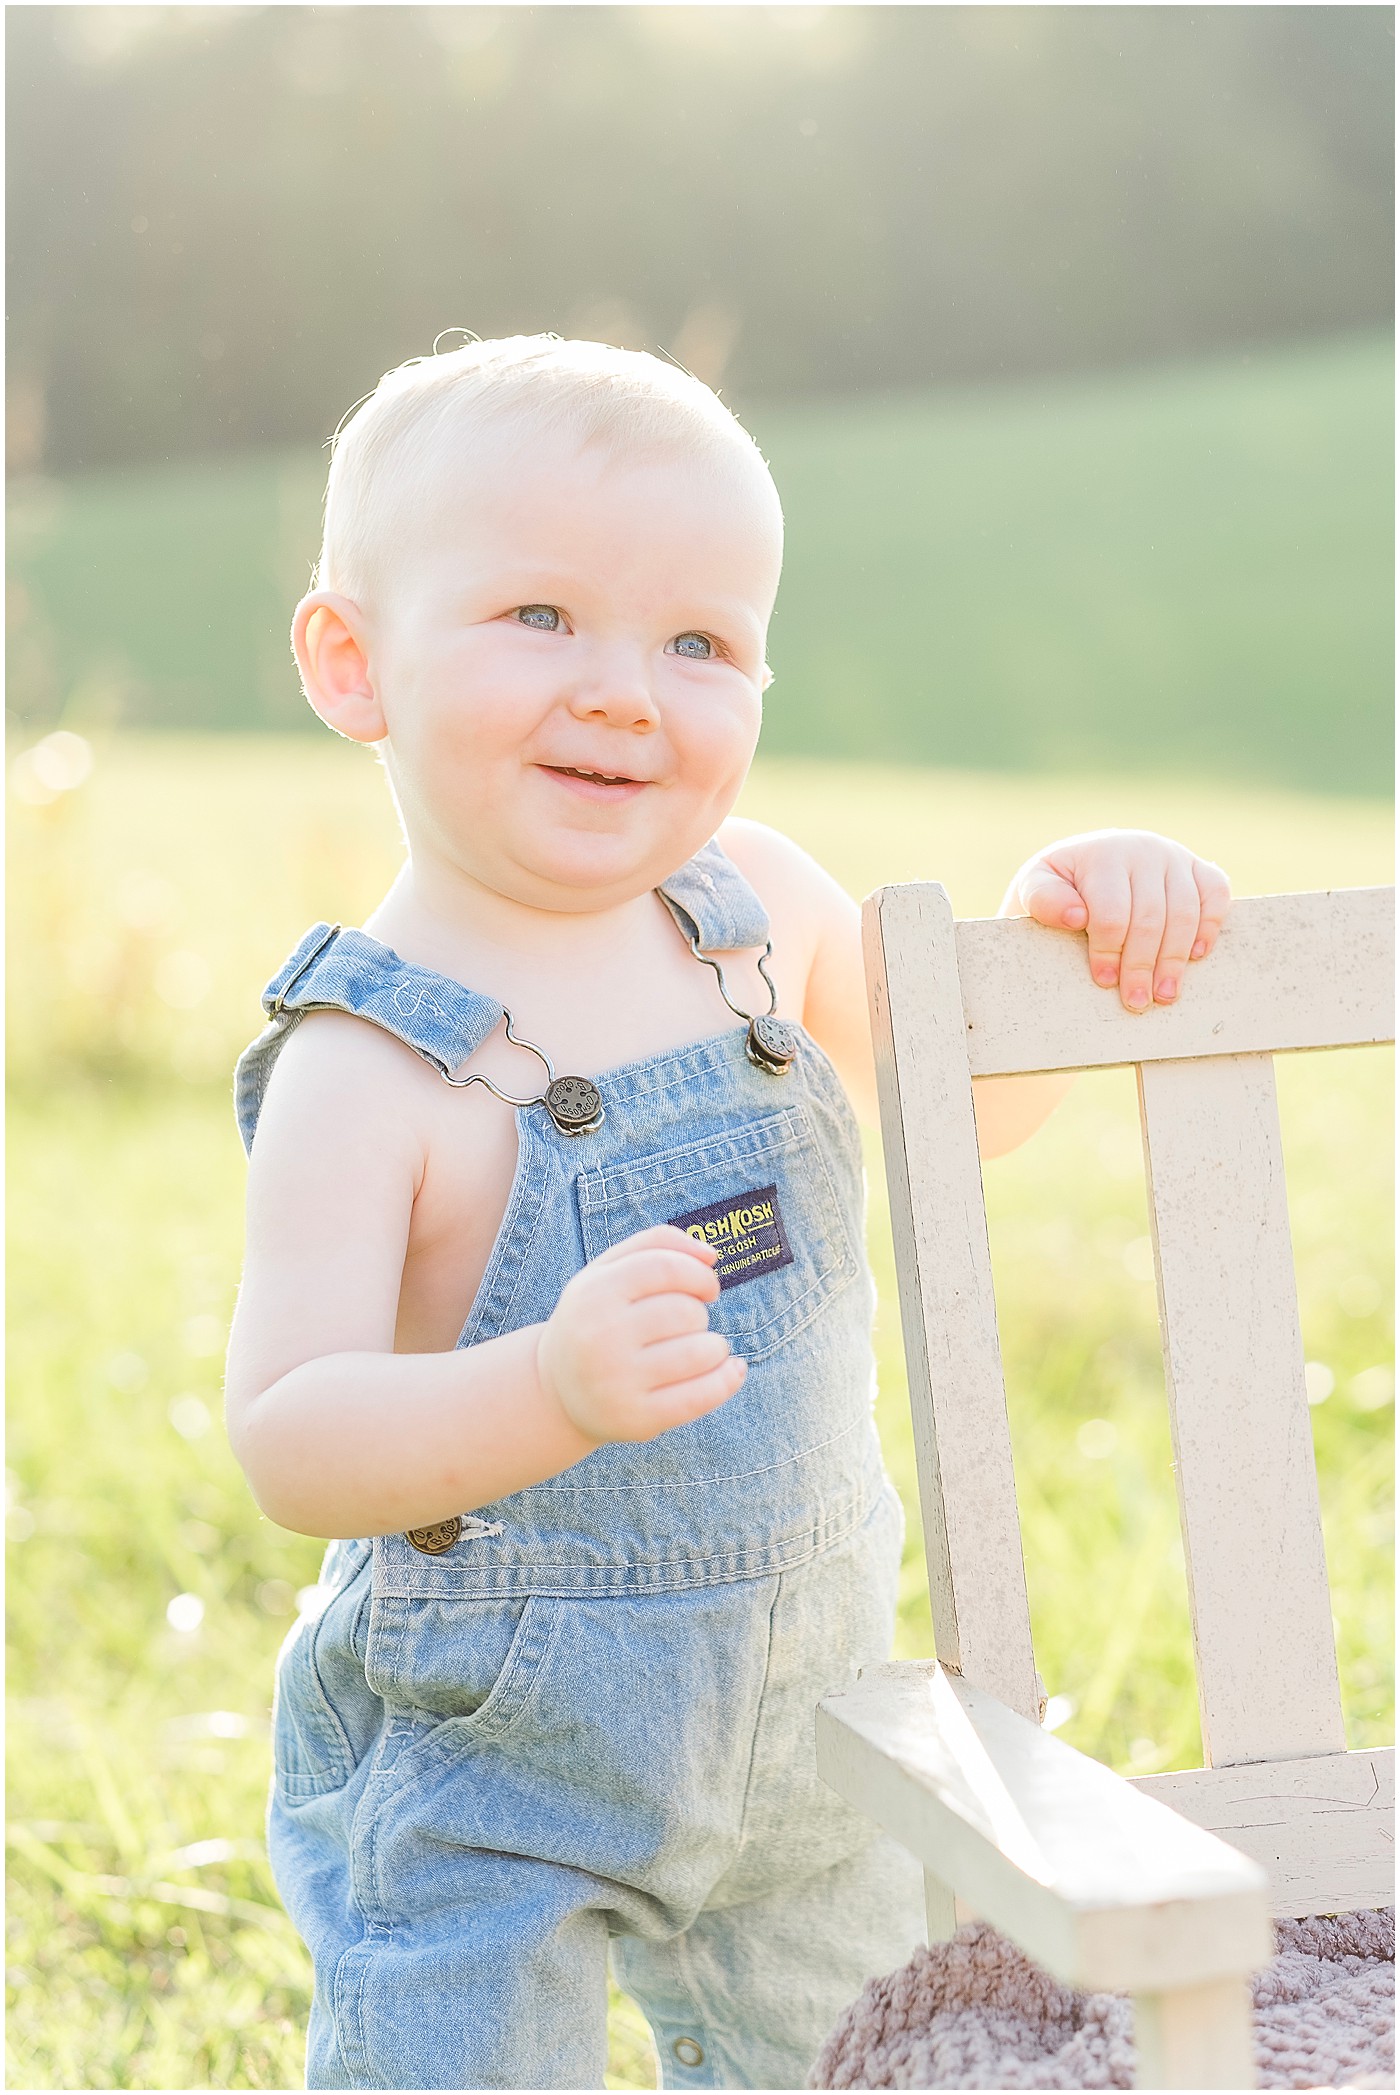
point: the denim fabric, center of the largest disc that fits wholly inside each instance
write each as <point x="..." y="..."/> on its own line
<point x="587" y="1727"/>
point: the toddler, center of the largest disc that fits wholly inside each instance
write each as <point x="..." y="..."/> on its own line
<point x="556" y="1313"/>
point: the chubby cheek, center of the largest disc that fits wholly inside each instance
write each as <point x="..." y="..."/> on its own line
<point x="714" y="745"/>
<point x="464" y="722"/>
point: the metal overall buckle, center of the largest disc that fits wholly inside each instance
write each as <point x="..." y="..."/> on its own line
<point x="772" y="1043"/>
<point x="573" y="1103"/>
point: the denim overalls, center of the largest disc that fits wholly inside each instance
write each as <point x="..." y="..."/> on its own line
<point x="587" y="1721"/>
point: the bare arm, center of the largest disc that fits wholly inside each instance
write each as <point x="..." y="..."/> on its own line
<point x="339" y="1435"/>
<point x="1148" y="908"/>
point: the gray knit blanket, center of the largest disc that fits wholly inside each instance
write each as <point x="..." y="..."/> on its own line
<point x="975" y="2013"/>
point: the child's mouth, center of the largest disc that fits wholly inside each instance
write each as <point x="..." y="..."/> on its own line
<point x="594" y="785"/>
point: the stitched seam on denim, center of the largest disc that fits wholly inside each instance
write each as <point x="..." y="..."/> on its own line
<point x="357" y="1644"/>
<point x="524" y="1654"/>
<point x="354" y="1961"/>
<point x="466" y="1730"/>
<point x="479" y="1315"/>
<point x="510" y="1580"/>
<point x="847" y="1268"/>
<point x="712" y="1050"/>
<point x="630" y="1081"/>
<point x="342" y="1737"/>
<point x="388" y="1789"/>
<point x="519" y="1245"/>
<point x="758" y="1721"/>
<point x="787" y="1323"/>
<point x="650" y="1485"/>
<point x="347" y="1995"/>
<point x="324" y="1723"/>
<point x="266" y="1062"/>
<point x="424" y="1054"/>
<point x="785" y="1129"/>
<point x="384" y="1640"/>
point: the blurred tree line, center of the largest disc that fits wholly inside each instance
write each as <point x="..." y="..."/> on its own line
<point x="225" y="222"/>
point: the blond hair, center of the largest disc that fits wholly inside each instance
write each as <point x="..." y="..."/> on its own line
<point x="581" y="392"/>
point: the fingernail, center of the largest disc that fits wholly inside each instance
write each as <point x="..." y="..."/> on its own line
<point x="1107" y="976"/>
<point x="1076" y="917"/>
<point x="1198" y="951"/>
<point x="1136" y="999"/>
<point x="1166" y="991"/>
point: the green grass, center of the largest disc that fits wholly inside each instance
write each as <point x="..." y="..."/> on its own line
<point x="146" y="1947"/>
<point x="1184" y="569"/>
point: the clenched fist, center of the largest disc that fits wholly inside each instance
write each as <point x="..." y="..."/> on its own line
<point x="629" y="1351"/>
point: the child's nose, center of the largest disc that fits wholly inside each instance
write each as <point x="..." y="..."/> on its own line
<point x="617" y="691"/>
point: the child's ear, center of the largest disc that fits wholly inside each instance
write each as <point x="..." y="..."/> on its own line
<point x="330" y="644"/>
<point x="766" y="679"/>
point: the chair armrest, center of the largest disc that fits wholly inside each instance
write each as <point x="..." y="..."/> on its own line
<point x="1106" y="1888"/>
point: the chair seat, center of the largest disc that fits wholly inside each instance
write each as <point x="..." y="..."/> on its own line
<point x="976" y="2013"/>
<point x="1104" y="1886"/>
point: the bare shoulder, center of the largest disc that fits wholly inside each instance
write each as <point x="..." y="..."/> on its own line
<point x="788" y="880"/>
<point x="340" y="1083"/>
<point x="824" y="923"/>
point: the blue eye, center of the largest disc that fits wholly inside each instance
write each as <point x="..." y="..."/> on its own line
<point x="543" y="617"/>
<point x="694" y="646"/>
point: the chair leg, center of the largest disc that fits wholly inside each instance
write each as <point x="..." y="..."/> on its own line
<point x="1196" y="2036"/>
<point x="938" y="1904"/>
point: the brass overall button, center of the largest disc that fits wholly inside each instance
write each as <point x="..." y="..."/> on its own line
<point x="772" y="1044"/>
<point x="438" y="1536"/>
<point x="688" y="2051"/>
<point x="575" y="1105"/>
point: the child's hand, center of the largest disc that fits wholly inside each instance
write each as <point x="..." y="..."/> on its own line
<point x="628" y="1351"/>
<point x="1149" y="906"/>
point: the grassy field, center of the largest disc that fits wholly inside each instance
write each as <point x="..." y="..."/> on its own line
<point x="1185" y="568"/>
<point x="147" y="1597"/>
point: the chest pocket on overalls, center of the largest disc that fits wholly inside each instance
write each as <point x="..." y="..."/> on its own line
<point x="762" y="1195"/>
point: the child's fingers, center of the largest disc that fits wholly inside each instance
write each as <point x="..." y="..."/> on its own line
<point x="1050" y="898"/>
<point x="1138" y="961"/>
<point x="684" y="1359"/>
<point x="683" y="1401"/>
<point x="1108" y="895"/>
<point x="658" y="1317"/>
<point x="1214" y="891"/>
<point x="1178" y="932"/>
<point x="663" y="1236"/>
<point x="663" y="1271"/>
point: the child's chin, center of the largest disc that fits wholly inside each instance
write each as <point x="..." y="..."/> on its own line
<point x="601" y="870"/>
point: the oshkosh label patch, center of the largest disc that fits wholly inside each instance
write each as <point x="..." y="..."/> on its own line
<point x="746" y="1230"/>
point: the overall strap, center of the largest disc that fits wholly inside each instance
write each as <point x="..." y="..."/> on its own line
<point x="335" y="970"/>
<point x="711" y="900"/>
<point x="441" y="1020"/>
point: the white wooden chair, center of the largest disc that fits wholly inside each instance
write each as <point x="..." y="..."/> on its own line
<point x="1110" y="1884"/>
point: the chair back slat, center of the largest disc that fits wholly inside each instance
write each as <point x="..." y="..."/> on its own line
<point x="1266" y="1667"/>
<point x="953" y="1001"/>
<point x="1289" y="971"/>
<point x="977" y="1581"/>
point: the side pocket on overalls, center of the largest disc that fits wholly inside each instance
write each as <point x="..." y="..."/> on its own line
<point x="325" y="1715"/>
<point x="468" y="1665"/>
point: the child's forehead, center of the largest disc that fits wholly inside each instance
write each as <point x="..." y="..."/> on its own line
<point x="524" y="465"/>
<point x="544" y="492"/>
